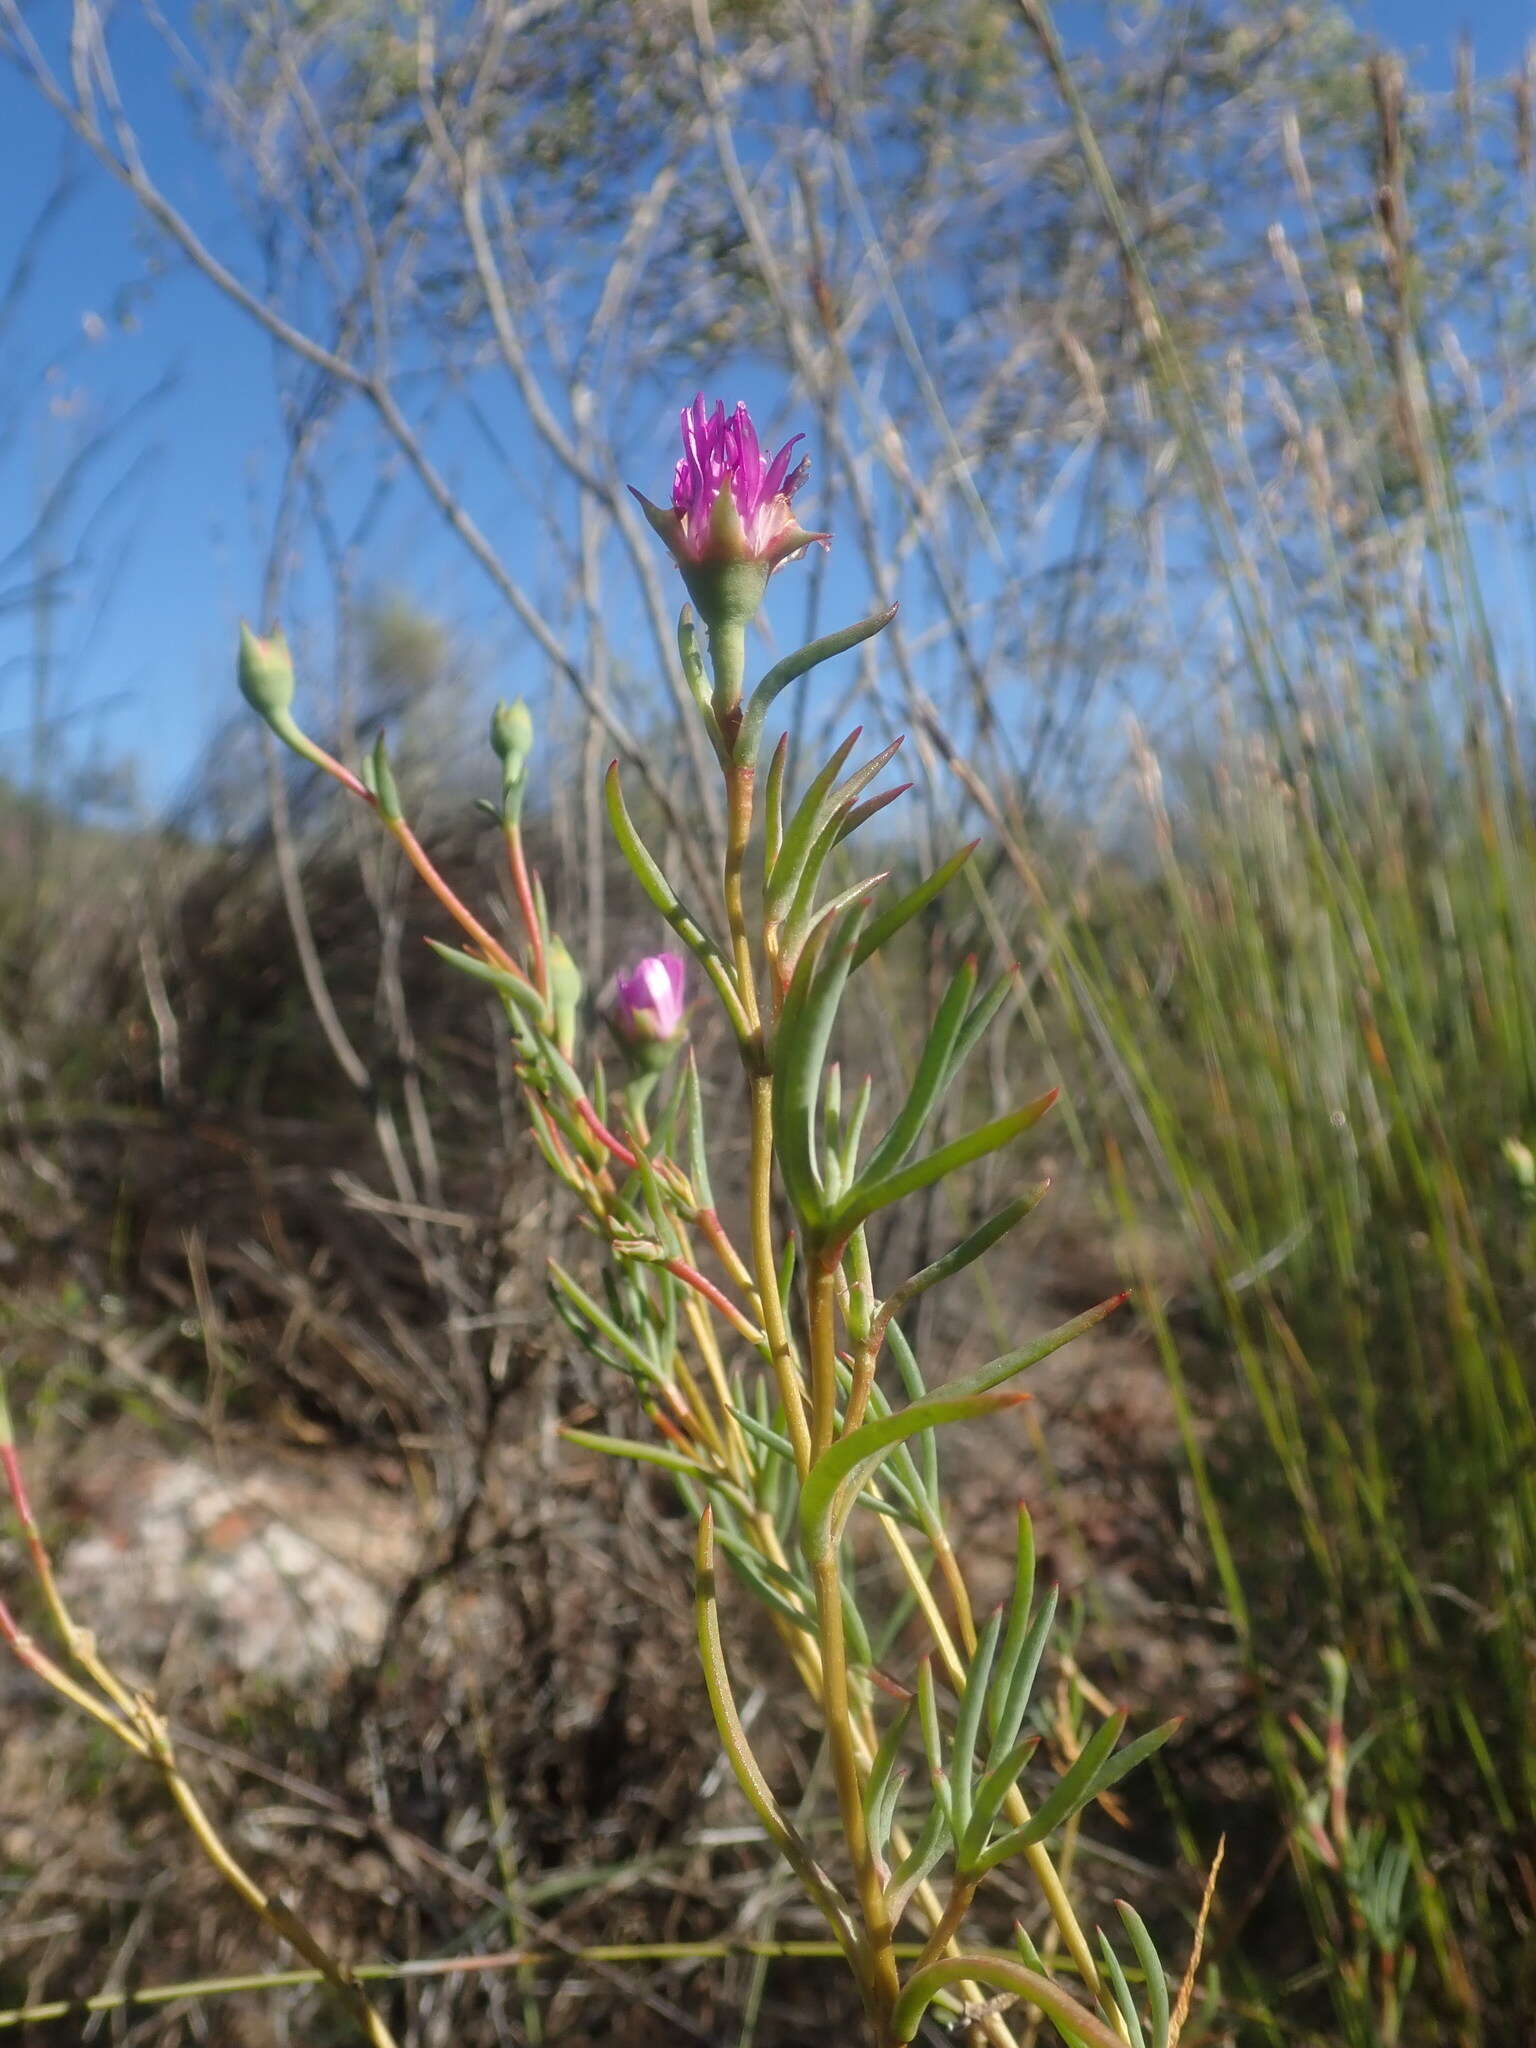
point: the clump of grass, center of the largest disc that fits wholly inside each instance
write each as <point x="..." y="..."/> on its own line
<point x="1315" y="991"/>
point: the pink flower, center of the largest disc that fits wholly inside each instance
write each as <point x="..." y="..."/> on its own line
<point x="647" y="1005"/>
<point x="729" y="503"/>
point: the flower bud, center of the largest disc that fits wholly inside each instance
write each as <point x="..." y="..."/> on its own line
<point x="565" y="987"/>
<point x="265" y="672"/>
<point x="512" y="741"/>
<point x="512" y="735"/>
<point x="647" y="1009"/>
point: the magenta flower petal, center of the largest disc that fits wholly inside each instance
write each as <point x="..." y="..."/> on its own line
<point x="721" y="457"/>
<point x="648" y="1003"/>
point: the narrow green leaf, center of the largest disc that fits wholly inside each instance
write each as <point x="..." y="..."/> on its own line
<point x="891" y="921"/>
<point x="962" y="1749"/>
<point x="871" y="807"/>
<point x="1014" y="1362"/>
<point x="1152" y="1972"/>
<point x="645" y="1365"/>
<point x="965" y="1253"/>
<point x="928" y="1725"/>
<point x="751" y="1566"/>
<point x="908" y="1371"/>
<point x="900" y="1471"/>
<point x="783" y="875"/>
<point x="994" y="1787"/>
<point x="800" y="1051"/>
<point x="1114" y="1970"/>
<point x="1134" y="1753"/>
<point x="1070" y="1794"/>
<point x="926" y="1445"/>
<point x="986" y="1008"/>
<point x="833" y="1483"/>
<point x="691" y="656"/>
<point x="771" y="1440"/>
<point x="883" y="1769"/>
<point x="512" y="986"/>
<point x="661" y="1455"/>
<point x="1080" y="1785"/>
<point x="698" y="1149"/>
<point x="933" y="1070"/>
<point x="864" y="888"/>
<point x="667" y="901"/>
<point x="1013" y="1704"/>
<point x="1018" y="1612"/>
<point x="663" y="1138"/>
<point x="793" y="666"/>
<point x="1024" y="1942"/>
<point x="883" y="1817"/>
<point x="859" y="1652"/>
<point x="657" y="1204"/>
<point x="918" y="1861"/>
<point x="379" y="780"/>
<point x="773" y="803"/>
<point x="854" y="1128"/>
<point x="833" y="816"/>
<point x="786" y="1273"/>
<point x="867" y="1197"/>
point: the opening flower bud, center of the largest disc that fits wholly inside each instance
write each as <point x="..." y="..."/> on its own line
<point x="265" y="672"/>
<point x="647" y="1009"/>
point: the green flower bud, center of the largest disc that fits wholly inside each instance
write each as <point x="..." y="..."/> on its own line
<point x="265" y="672"/>
<point x="512" y="739"/>
<point x="512" y="734"/>
<point x="565" y="989"/>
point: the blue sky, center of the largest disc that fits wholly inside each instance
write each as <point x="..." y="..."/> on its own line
<point x="150" y="677"/>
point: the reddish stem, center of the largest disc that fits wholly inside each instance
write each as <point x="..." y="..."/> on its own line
<point x="523" y="888"/>
<point x="13" y="1633"/>
<point x="715" y="1237"/>
<point x="10" y="1463"/>
<point x="715" y="1296"/>
<point x="344" y="776"/>
<point x="670" y="1430"/>
<point x="18" y="1486"/>
<point x="601" y="1132"/>
<point x="459" y="911"/>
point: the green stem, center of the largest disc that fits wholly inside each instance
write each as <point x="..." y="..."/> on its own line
<point x="728" y="665"/>
<point x="884" y="1978"/>
<point x="949" y="1925"/>
<point x="823" y="1304"/>
<point x="883" y="1985"/>
<point x="740" y="784"/>
<point x="765" y="1263"/>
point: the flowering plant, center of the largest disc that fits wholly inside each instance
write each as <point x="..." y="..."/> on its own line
<point x="784" y="1397"/>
